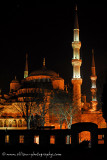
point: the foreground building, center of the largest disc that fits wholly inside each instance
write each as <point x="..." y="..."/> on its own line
<point x="11" y="117"/>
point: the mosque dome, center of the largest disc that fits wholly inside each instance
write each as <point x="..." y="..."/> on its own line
<point x="44" y="72"/>
<point x="14" y="85"/>
<point x="15" y="80"/>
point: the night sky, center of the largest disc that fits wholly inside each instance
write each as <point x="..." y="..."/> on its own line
<point x="45" y="29"/>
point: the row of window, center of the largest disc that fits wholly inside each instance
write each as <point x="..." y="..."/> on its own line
<point x="42" y="80"/>
<point x="52" y="139"/>
<point x="100" y="139"/>
<point x="36" y="139"/>
<point x="12" y="123"/>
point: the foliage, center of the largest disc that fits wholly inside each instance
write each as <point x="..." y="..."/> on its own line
<point x="31" y="107"/>
<point x="63" y="107"/>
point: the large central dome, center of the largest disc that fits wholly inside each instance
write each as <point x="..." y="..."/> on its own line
<point x="44" y="71"/>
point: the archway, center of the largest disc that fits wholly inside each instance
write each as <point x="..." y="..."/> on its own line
<point x="78" y="128"/>
<point x="10" y="124"/>
<point x="84" y="136"/>
<point x="24" y="124"/>
<point x="14" y="123"/>
<point x="6" y="123"/>
<point x="20" y="123"/>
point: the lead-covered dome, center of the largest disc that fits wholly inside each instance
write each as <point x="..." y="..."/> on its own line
<point x="15" y="80"/>
<point x="44" y="72"/>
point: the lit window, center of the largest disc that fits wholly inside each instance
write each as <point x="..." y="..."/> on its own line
<point x="7" y="139"/>
<point x="100" y="139"/>
<point x="21" y="139"/>
<point x="68" y="139"/>
<point x="14" y="123"/>
<point x="20" y="123"/>
<point x="36" y="139"/>
<point x="99" y="136"/>
<point x="52" y="139"/>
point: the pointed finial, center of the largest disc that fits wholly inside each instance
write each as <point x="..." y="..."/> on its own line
<point x="93" y="61"/>
<point x="43" y="62"/>
<point x="76" y="25"/>
<point x="76" y="7"/>
<point x="0" y="90"/>
<point x="26" y="67"/>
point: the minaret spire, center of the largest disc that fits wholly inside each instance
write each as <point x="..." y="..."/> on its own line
<point x="93" y="61"/>
<point x="76" y="25"/>
<point x="26" y="67"/>
<point x="93" y="64"/>
<point x="93" y="84"/>
<point x="76" y="63"/>
<point x="44" y="62"/>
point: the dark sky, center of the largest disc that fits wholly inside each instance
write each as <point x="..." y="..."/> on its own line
<point x="45" y="29"/>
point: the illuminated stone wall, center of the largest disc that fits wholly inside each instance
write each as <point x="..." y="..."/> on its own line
<point x="94" y="117"/>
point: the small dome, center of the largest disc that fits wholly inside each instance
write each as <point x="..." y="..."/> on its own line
<point x="15" y="80"/>
<point x="44" y="72"/>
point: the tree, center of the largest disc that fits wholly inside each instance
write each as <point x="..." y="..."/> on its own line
<point x="25" y="110"/>
<point x="34" y="106"/>
<point x="63" y="107"/>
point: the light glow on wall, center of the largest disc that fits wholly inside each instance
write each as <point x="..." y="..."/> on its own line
<point x="36" y="139"/>
<point x="76" y="72"/>
<point x="76" y="34"/>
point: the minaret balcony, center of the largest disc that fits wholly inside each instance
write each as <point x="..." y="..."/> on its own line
<point x="93" y="90"/>
<point x="93" y="78"/>
<point x="76" y="44"/>
<point x="76" y="62"/>
<point x="76" y="81"/>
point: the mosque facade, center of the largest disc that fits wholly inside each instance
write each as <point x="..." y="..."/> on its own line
<point x="11" y="117"/>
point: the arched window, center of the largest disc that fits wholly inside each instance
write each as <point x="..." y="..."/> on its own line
<point x="84" y="136"/>
<point x="20" y="123"/>
<point x="52" y="139"/>
<point x="10" y="124"/>
<point x="1" y="123"/>
<point x="21" y="139"/>
<point x="7" y="139"/>
<point x="6" y="123"/>
<point x="36" y="139"/>
<point x="14" y="123"/>
<point x="24" y="123"/>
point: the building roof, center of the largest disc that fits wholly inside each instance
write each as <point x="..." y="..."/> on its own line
<point x="44" y="71"/>
<point x="15" y="80"/>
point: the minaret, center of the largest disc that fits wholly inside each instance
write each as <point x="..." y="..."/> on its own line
<point x="76" y="63"/>
<point x="93" y="84"/>
<point x="43" y="62"/>
<point x="26" y="67"/>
